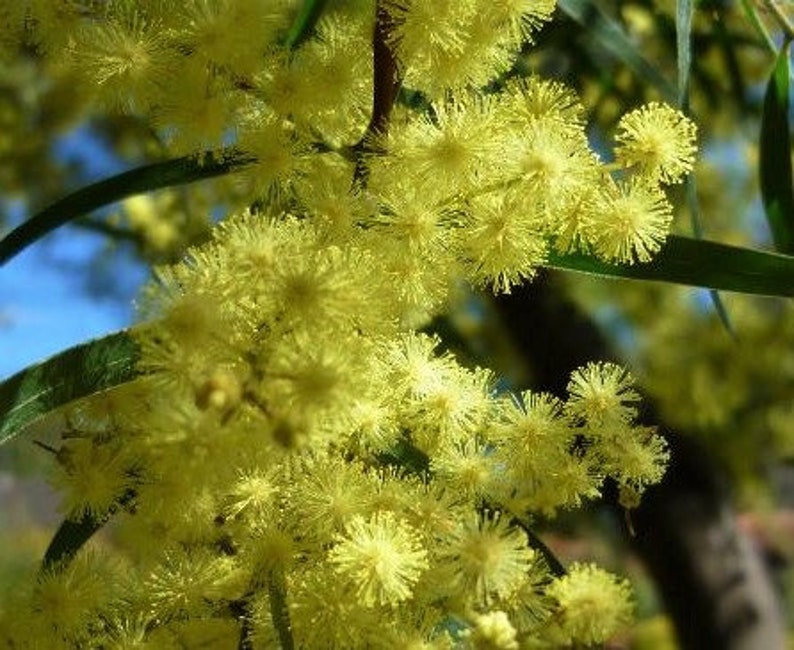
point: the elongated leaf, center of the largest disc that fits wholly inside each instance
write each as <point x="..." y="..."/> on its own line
<point x="610" y="36"/>
<point x="179" y="171"/>
<point x="694" y="211"/>
<point x="304" y="22"/>
<point x="683" y="38"/>
<point x="71" y="536"/>
<point x="552" y="561"/>
<point x="699" y="263"/>
<point x="775" y="150"/>
<point x="74" y="373"/>
<point x="752" y="16"/>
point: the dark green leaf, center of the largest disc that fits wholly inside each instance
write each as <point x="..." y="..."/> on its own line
<point x="304" y="23"/>
<point x="72" y="374"/>
<point x="72" y="535"/>
<point x="698" y="263"/>
<point x="775" y="151"/>
<point x="68" y="539"/>
<point x="552" y="561"/>
<point x="180" y="171"/>
<point x="611" y="37"/>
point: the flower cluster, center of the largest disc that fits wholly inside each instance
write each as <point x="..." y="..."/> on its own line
<point x="306" y="468"/>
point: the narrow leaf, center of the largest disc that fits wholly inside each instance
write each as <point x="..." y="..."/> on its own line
<point x="694" y="211"/>
<point x="698" y="263"/>
<point x="304" y="22"/>
<point x="775" y="156"/>
<point x="552" y="561"/>
<point x="179" y="171"/>
<point x="752" y="15"/>
<point x="610" y="36"/>
<point x="71" y="535"/>
<point x="683" y="37"/>
<point x="683" y="34"/>
<point x="72" y="374"/>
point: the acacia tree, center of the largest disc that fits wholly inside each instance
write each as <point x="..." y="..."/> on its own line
<point x="289" y="455"/>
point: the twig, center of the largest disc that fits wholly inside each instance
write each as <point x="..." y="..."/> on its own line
<point x="386" y="85"/>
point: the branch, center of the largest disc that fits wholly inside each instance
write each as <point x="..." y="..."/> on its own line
<point x="386" y="85"/>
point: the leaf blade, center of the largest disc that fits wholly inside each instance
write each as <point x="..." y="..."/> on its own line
<point x="698" y="263"/>
<point x="304" y="23"/>
<point x="74" y="373"/>
<point x="72" y="535"/>
<point x="775" y="168"/>
<point x="179" y="171"/>
<point x="613" y="39"/>
<point x="683" y="39"/>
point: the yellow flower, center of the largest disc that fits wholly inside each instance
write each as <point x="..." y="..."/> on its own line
<point x="659" y="140"/>
<point x="492" y="631"/>
<point x="502" y="248"/>
<point x="631" y="224"/>
<point x="490" y="557"/>
<point x="186" y="583"/>
<point x="594" y="605"/>
<point x="451" y="147"/>
<point x="68" y="598"/>
<point x="326" y="494"/>
<point x="635" y="456"/>
<point x="467" y="469"/>
<point x="600" y="393"/>
<point x="93" y="477"/>
<point x="382" y="557"/>
<point x="125" y="58"/>
<point x="322" y="614"/>
<point x="254" y="493"/>
<point x="532" y="99"/>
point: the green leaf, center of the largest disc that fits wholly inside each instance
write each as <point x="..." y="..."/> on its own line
<point x="698" y="263"/>
<point x="179" y="171"/>
<point x="752" y="15"/>
<point x="775" y="152"/>
<point x="70" y="375"/>
<point x="552" y="561"/>
<point x="611" y="37"/>
<point x="683" y="37"/>
<point x="683" y="33"/>
<point x="304" y="22"/>
<point x="71" y="535"/>
<point x="694" y="212"/>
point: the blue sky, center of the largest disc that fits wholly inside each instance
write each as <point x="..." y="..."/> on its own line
<point x="45" y="302"/>
<point x="45" y="306"/>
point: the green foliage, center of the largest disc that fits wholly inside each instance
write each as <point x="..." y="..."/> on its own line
<point x="694" y="262"/>
<point x="180" y="171"/>
<point x="73" y="374"/>
<point x="777" y="178"/>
